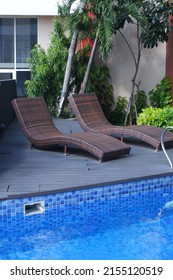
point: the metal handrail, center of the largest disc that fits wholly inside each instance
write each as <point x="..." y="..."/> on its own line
<point x="163" y="146"/>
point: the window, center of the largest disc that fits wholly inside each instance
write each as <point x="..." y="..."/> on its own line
<point x="26" y="38"/>
<point x="17" y="37"/>
<point x="22" y="76"/>
<point x="6" y="76"/>
<point x="6" y="43"/>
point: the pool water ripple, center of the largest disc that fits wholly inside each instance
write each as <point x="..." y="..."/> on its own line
<point x="96" y="230"/>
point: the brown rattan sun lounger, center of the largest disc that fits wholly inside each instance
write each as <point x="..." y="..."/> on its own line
<point x="90" y="116"/>
<point x="38" y="126"/>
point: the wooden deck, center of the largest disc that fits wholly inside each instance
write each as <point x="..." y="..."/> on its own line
<point x="26" y="171"/>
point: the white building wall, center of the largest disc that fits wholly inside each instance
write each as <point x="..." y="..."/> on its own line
<point x="121" y="64"/>
<point x="45" y="29"/>
<point x="27" y="8"/>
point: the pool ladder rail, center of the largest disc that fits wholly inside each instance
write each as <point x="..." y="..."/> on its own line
<point x="163" y="146"/>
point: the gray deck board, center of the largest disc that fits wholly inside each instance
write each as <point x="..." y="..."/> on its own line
<point x="25" y="170"/>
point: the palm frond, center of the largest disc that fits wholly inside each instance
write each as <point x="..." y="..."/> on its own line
<point x="105" y="33"/>
<point x="135" y="13"/>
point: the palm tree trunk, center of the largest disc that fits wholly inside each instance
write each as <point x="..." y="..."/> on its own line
<point x="69" y="65"/>
<point x="68" y="71"/>
<point x="88" y="70"/>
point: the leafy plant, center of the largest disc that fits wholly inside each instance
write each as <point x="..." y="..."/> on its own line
<point x="105" y="19"/>
<point x="153" y="28"/>
<point x="117" y="116"/>
<point x="160" y="117"/>
<point x="48" y="70"/>
<point x="99" y="83"/>
<point x="161" y="97"/>
<point x="141" y="100"/>
<point x="156" y="13"/>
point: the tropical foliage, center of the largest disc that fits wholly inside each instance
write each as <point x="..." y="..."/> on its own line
<point x="161" y="117"/>
<point x="117" y="115"/>
<point x="48" y="69"/>
<point x="156" y="13"/>
<point x="108" y="18"/>
<point x="161" y="96"/>
<point x="100" y="27"/>
<point x="160" y="112"/>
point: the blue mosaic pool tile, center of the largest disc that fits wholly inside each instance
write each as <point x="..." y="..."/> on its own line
<point x="120" y="193"/>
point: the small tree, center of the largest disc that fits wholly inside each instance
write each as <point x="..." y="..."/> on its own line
<point x="48" y="70"/>
<point x="105" y="17"/>
<point x="156" y="30"/>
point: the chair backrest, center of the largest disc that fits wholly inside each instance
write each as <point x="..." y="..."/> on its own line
<point x="34" y="117"/>
<point x="87" y="110"/>
<point x="8" y="92"/>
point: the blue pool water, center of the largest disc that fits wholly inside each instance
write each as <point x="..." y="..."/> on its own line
<point x="133" y="222"/>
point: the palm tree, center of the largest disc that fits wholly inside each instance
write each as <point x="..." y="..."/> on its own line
<point x="68" y="71"/>
<point x="87" y="72"/>
<point x="105" y="24"/>
<point x="65" y="11"/>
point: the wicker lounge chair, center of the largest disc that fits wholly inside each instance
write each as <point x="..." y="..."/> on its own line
<point x="39" y="128"/>
<point x="90" y="116"/>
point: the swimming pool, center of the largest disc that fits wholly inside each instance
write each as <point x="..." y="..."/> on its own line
<point x="126" y="221"/>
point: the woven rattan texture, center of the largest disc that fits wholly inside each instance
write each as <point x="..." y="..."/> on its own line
<point x="39" y="128"/>
<point x="90" y="116"/>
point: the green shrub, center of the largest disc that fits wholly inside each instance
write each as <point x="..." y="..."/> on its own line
<point x="160" y="117"/>
<point x="117" y="116"/>
<point x="141" y="100"/>
<point x="48" y="69"/>
<point x="160" y="112"/>
<point x="161" y="97"/>
<point x="99" y="83"/>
